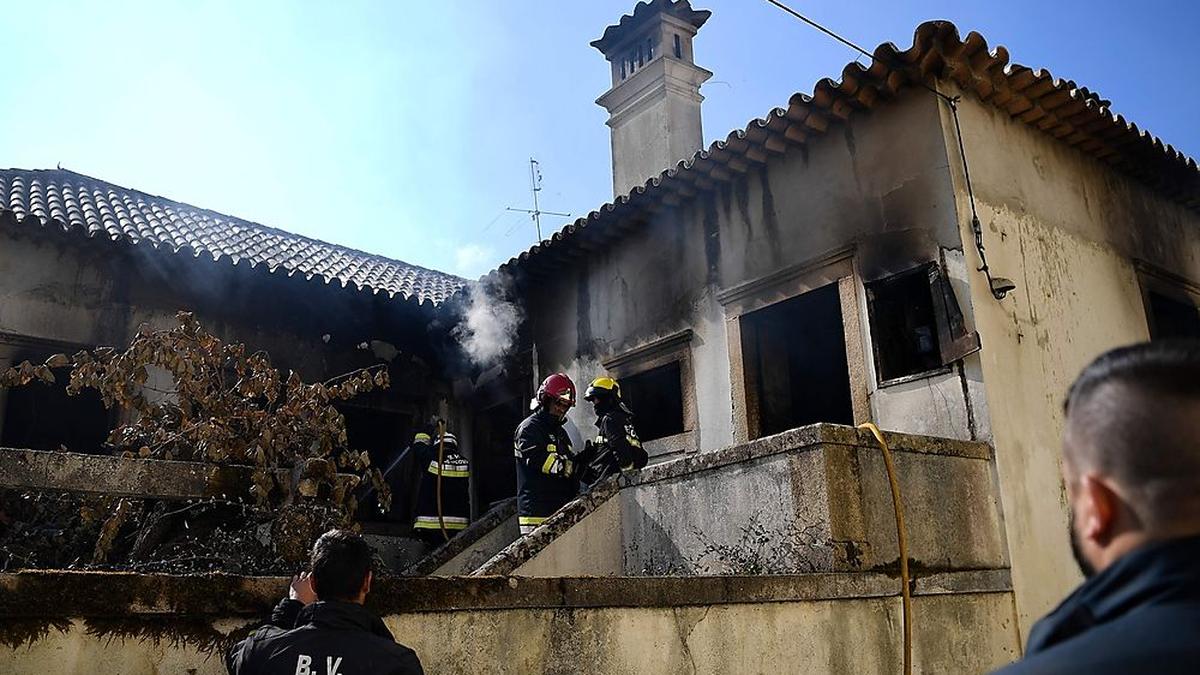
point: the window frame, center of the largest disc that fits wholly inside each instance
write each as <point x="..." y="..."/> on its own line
<point x="1154" y="279"/>
<point x="833" y="266"/>
<point x="673" y="348"/>
<point x="954" y="340"/>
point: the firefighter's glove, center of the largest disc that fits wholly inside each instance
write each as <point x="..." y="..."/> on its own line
<point x="558" y="465"/>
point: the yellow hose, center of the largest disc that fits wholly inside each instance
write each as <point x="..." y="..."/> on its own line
<point x="902" y="541"/>
<point x="441" y="458"/>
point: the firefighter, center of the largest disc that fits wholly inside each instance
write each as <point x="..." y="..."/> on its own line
<point x="546" y="478"/>
<point x="399" y="480"/>
<point x="617" y="446"/>
<point x="455" y="471"/>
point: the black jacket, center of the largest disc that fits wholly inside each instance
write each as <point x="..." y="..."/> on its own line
<point x="539" y="493"/>
<point x="325" y="638"/>
<point x="615" y="429"/>
<point x="456" y="495"/>
<point x="1141" y="615"/>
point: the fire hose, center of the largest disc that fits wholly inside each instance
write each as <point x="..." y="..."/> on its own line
<point x="441" y="458"/>
<point x="902" y="543"/>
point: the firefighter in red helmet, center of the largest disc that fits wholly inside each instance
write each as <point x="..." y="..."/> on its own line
<point x="546" y="478"/>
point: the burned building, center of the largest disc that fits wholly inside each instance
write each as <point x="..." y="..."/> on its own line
<point x="85" y="263"/>
<point x="935" y="242"/>
<point x="833" y="262"/>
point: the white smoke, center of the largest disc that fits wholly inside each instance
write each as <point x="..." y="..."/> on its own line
<point x="488" y="328"/>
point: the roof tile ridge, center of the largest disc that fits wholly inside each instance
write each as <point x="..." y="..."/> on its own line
<point x="167" y="202"/>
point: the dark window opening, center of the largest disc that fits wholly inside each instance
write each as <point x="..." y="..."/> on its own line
<point x="656" y="398"/>
<point x="678" y="47"/>
<point x="492" y="461"/>
<point x="384" y="435"/>
<point x="41" y="416"/>
<point x="903" y="329"/>
<point x="649" y="49"/>
<point x="641" y="57"/>
<point x="916" y="324"/>
<point x="1172" y="317"/>
<point x="794" y="356"/>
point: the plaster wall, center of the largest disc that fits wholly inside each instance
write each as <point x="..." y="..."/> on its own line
<point x="963" y="633"/>
<point x="91" y="292"/>
<point x="878" y="183"/>
<point x="816" y="499"/>
<point x="1067" y="229"/>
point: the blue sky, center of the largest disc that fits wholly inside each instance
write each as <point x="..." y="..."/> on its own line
<point x="404" y="128"/>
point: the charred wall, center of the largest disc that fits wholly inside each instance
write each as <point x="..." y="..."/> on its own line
<point x="877" y="186"/>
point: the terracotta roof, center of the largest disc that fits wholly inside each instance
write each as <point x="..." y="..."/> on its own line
<point x="94" y="208"/>
<point x="1061" y="108"/>
<point x="681" y="9"/>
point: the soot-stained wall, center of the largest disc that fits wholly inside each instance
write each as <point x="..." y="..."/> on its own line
<point x="876" y="188"/>
<point x="62" y="292"/>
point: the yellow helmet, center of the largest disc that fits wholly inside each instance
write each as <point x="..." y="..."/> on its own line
<point x="602" y="386"/>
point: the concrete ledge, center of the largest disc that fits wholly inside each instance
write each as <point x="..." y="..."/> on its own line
<point x="464" y="540"/>
<point x="525" y="548"/>
<point x="62" y="595"/>
<point x="809" y="437"/>
<point x="126" y="477"/>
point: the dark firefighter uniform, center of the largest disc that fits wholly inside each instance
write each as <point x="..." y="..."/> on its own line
<point x="455" y="473"/>
<point x="546" y="478"/>
<point x="617" y="446"/>
<point x="400" y="480"/>
<point x="325" y="638"/>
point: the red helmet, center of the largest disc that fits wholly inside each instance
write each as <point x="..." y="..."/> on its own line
<point x="557" y="387"/>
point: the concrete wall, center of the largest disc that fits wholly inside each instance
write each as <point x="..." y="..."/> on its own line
<point x="1067" y="229"/>
<point x="877" y="186"/>
<point x="592" y="547"/>
<point x="844" y="623"/>
<point x="816" y="499"/>
<point x="482" y="550"/>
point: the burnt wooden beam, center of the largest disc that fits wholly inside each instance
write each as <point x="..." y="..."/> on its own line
<point x="126" y="477"/>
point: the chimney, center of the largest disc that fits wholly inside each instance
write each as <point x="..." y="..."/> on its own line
<point x="654" y="102"/>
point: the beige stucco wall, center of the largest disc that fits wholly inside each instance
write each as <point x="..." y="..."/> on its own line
<point x="1066" y="229"/>
<point x="964" y="633"/>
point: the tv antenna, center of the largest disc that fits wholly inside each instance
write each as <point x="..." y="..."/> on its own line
<point x="535" y="186"/>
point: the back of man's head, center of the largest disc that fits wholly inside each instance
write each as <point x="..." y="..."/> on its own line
<point x="1133" y="416"/>
<point x="341" y="560"/>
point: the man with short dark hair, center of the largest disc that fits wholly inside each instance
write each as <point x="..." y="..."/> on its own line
<point x="322" y="627"/>
<point x="1131" y="466"/>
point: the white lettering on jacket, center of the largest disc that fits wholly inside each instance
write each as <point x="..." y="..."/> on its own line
<point x="302" y="665"/>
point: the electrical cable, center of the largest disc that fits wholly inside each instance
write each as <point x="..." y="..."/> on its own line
<point x="902" y="543"/>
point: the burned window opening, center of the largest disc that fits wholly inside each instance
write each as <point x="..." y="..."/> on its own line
<point x="794" y="356"/>
<point x="41" y="416"/>
<point x="656" y="398"/>
<point x="1172" y="316"/>
<point x="384" y="435"/>
<point x="917" y="325"/>
<point x="492" y="452"/>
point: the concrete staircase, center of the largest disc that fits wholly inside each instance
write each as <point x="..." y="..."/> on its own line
<point x="814" y="499"/>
